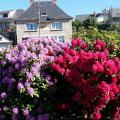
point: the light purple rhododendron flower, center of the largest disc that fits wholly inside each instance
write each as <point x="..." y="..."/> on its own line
<point x="15" y="110"/>
<point x="20" y="68"/>
<point x="26" y="112"/>
<point x="30" y="91"/>
<point x="3" y="95"/>
<point x="20" y="86"/>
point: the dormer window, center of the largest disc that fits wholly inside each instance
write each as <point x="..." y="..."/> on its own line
<point x="43" y="13"/>
<point x="5" y="15"/>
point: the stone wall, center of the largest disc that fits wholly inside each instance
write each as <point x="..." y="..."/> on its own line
<point x="45" y="30"/>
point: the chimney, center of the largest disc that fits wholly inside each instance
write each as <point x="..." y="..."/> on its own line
<point x="31" y="1"/>
<point x="54" y="1"/>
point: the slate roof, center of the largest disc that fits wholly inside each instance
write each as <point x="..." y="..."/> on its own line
<point x="52" y="10"/>
<point x="5" y="11"/>
<point x="99" y="14"/>
<point x="17" y="13"/>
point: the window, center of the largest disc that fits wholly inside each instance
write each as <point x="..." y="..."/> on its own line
<point x="5" y="15"/>
<point x="43" y="13"/>
<point x="56" y="26"/>
<point x="61" y="38"/>
<point x="31" y="26"/>
<point x="1" y="15"/>
<point x="7" y="24"/>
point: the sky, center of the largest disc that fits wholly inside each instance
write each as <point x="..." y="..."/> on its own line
<point x="71" y="7"/>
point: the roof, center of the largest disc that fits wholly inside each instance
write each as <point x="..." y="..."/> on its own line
<point x="99" y="14"/>
<point x="12" y="14"/>
<point x="5" y="11"/>
<point x="83" y="17"/>
<point x="6" y="19"/>
<point x="52" y="10"/>
<point x="8" y="11"/>
<point x="4" y="39"/>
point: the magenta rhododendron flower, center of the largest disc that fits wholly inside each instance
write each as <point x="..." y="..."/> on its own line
<point x="95" y="76"/>
<point x="97" y="116"/>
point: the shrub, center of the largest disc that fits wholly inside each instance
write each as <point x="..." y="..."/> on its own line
<point x="110" y="37"/>
<point x="45" y="79"/>
<point x="89" y="78"/>
<point x="22" y="78"/>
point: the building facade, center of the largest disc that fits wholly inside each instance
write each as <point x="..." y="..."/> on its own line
<point x="111" y="15"/>
<point x="7" y="23"/>
<point x="47" y="21"/>
<point x="7" y="18"/>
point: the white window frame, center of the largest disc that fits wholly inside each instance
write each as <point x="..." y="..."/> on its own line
<point x="57" y="24"/>
<point x="26" y="28"/>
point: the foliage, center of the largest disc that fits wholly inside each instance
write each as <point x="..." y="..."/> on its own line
<point x="94" y="79"/>
<point x="91" y="21"/>
<point x="104" y="26"/>
<point x="110" y="37"/>
<point x="115" y="27"/>
<point x="77" y="24"/>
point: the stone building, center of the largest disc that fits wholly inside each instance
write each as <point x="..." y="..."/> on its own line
<point x="44" y="19"/>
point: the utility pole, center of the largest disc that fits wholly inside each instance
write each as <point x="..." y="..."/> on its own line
<point x="39" y="16"/>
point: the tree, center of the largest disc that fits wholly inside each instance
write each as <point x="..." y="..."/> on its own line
<point x="77" y="24"/>
<point x="91" y="21"/>
<point x="115" y="27"/>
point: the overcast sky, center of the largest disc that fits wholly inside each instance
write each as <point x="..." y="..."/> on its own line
<point x="72" y="7"/>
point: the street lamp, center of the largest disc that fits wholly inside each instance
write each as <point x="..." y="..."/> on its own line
<point x="39" y="16"/>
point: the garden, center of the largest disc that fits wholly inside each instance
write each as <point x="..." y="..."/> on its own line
<point x="43" y="79"/>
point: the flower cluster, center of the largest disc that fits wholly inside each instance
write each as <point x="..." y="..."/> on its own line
<point x="40" y="77"/>
<point x="21" y="72"/>
<point x="117" y="114"/>
<point x="94" y="76"/>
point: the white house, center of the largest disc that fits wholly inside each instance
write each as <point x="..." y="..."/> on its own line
<point x="101" y="17"/>
<point x="4" y="43"/>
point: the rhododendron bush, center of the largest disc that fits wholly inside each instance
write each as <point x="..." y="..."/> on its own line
<point x="94" y="79"/>
<point x="22" y="79"/>
<point x="43" y="79"/>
